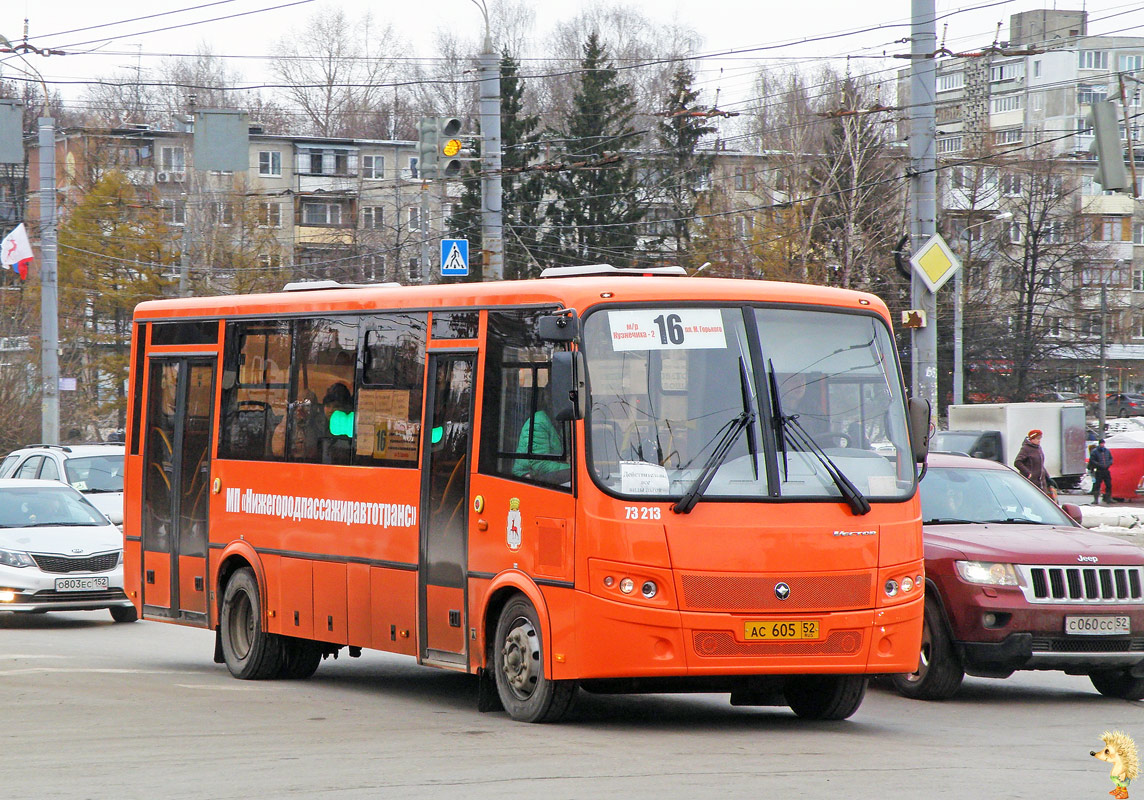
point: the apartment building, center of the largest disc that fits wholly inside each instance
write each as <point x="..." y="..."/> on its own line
<point x="347" y="209"/>
<point x="1003" y="116"/>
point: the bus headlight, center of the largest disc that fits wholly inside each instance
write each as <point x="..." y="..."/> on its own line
<point x="626" y="585"/>
<point x="649" y="589"/>
<point x="891" y="588"/>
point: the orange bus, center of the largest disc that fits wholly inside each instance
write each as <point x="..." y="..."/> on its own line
<point x="596" y="479"/>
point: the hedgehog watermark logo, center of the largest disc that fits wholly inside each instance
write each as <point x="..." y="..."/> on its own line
<point x="1120" y="751"/>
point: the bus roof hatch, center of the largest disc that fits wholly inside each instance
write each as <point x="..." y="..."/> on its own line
<point x="608" y="269"/>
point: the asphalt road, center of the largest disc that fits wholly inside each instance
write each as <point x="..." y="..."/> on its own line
<point x="97" y="710"/>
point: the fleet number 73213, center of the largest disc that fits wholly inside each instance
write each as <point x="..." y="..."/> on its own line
<point x="641" y="512"/>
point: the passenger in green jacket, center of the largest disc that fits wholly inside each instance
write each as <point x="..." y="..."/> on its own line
<point x="546" y="440"/>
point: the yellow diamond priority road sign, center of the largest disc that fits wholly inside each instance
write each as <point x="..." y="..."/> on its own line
<point x="935" y="262"/>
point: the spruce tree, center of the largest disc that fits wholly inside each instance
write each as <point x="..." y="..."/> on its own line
<point x="681" y="167"/>
<point x="593" y="217"/>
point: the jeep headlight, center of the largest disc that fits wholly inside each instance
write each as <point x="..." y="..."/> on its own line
<point x="16" y="558"/>
<point x="986" y="573"/>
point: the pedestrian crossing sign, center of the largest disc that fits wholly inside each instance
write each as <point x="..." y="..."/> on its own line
<point x="454" y="256"/>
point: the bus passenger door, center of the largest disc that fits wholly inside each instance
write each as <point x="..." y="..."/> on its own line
<point x="444" y="508"/>
<point x="176" y="487"/>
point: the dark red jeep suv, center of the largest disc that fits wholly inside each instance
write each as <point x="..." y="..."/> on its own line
<point x="1012" y="582"/>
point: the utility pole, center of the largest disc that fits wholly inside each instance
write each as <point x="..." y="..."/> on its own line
<point x="923" y="193"/>
<point x="49" y="277"/>
<point x="492" y="199"/>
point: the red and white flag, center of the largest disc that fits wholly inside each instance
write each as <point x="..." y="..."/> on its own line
<point x="16" y="252"/>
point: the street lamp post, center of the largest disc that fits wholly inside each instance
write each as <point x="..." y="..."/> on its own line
<point x="959" y="312"/>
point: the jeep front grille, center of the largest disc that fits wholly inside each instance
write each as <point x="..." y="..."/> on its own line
<point x="1090" y="585"/>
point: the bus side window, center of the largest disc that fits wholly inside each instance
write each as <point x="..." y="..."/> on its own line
<point x="256" y="374"/>
<point x="519" y="438"/>
<point x="321" y="423"/>
<point x="389" y="395"/>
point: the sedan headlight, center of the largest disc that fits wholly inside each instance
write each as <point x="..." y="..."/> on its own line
<point x="16" y="558"/>
<point x="986" y="573"/>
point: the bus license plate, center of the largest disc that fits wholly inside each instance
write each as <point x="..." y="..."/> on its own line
<point x="785" y="629"/>
<point x="81" y="584"/>
<point x="1097" y="626"/>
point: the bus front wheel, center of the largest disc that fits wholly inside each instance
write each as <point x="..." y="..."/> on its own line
<point x="825" y="697"/>
<point x="249" y="651"/>
<point x="518" y="666"/>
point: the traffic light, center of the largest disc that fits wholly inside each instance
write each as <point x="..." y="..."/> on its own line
<point x="1110" y="172"/>
<point x="450" y="150"/>
<point x="428" y="151"/>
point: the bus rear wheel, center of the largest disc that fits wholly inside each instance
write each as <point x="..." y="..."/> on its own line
<point x="825" y="697"/>
<point x="518" y="667"/>
<point x="249" y="651"/>
<point x="124" y="613"/>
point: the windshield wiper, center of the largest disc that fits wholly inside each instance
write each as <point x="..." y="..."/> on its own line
<point x="859" y="505"/>
<point x="744" y="421"/>
<point x="949" y="521"/>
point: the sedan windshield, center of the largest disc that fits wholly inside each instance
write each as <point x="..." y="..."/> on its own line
<point x="36" y="507"/>
<point x="684" y="404"/>
<point x="951" y="495"/>
<point x="95" y="473"/>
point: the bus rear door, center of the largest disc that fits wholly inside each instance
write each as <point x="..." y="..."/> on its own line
<point x="176" y="494"/>
<point x="444" y="510"/>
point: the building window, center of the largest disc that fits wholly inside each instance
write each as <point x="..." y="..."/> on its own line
<point x="1054" y="327"/>
<point x="950" y="81"/>
<point x="1037" y="68"/>
<point x="1087" y="95"/>
<point x="270" y="215"/>
<point x="172" y="159"/>
<point x="373" y="267"/>
<point x="1037" y="101"/>
<point x="315" y="162"/>
<point x="341" y="163"/>
<point x="1138" y="281"/>
<point x="1138" y="233"/>
<point x="372" y="217"/>
<point x="1015" y="232"/>
<point x="270" y="163"/>
<point x="373" y="167"/>
<point x="270" y="260"/>
<point x="321" y="214"/>
<point x="1051" y="232"/>
<point x="1006" y="72"/>
<point x="949" y="144"/>
<point x="413" y="167"/>
<point x="1010" y="184"/>
<point x="1110" y="228"/>
<point x="1138" y="326"/>
<point x="1131" y="63"/>
<point x="174" y="212"/>
<point x="1011" y="102"/>
<point x="1093" y="59"/>
<point x="414" y="218"/>
<point x="222" y="213"/>
<point x="1009" y="136"/>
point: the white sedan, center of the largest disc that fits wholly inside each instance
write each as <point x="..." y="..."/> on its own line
<point x="58" y="552"/>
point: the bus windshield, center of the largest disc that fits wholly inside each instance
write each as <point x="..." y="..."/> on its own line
<point x="681" y="396"/>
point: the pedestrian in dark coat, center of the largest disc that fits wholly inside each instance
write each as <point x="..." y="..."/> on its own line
<point x="1099" y="462"/>
<point x="1030" y="462"/>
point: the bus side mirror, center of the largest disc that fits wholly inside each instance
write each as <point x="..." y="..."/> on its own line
<point x="567" y="386"/>
<point x="919" y="428"/>
<point x="560" y="327"/>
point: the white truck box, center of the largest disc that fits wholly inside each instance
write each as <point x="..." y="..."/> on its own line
<point x="1062" y="423"/>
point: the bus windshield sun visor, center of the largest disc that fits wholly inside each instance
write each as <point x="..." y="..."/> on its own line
<point x="744" y="421"/>
<point x="790" y="431"/>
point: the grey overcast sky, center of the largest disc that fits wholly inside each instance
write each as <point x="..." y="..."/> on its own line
<point x="868" y="31"/>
